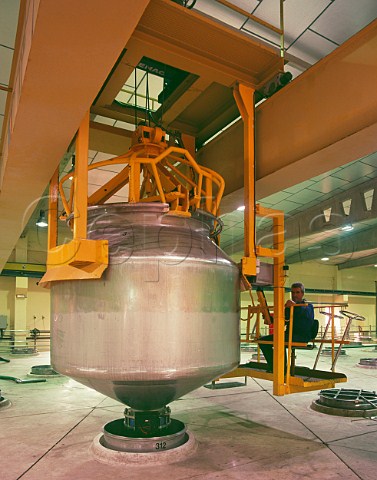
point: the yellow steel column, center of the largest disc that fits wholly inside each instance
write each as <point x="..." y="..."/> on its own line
<point x="80" y="258"/>
<point x="81" y="180"/>
<point x="244" y="97"/>
<point x="53" y="211"/>
<point x="278" y="230"/>
<point x="134" y="183"/>
<point x="209" y="194"/>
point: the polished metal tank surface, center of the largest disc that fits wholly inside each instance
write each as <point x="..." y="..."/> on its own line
<point x="163" y="319"/>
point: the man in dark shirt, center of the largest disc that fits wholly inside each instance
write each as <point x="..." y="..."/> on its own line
<point x="303" y="318"/>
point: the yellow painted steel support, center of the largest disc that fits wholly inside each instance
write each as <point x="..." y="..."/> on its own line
<point x="80" y="258"/>
<point x="80" y="180"/>
<point x="208" y="199"/>
<point x="244" y="97"/>
<point x="110" y="188"/>
<point x="134" y="192"/>
<point x="289" y="347"/>
<point x="152" y="170"/>
<point x="156" y="172"/>
<point x="280" y="386"/>
<point x="278" y="231"/>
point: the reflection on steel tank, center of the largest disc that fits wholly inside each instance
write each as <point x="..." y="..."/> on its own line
<point x="164" y="318"/>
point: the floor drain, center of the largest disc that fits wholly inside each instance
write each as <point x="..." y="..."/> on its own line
<point x="327" y="352"/>
<point x="45" y="370"/>
<point x="346" y="402"/>
<point x="23" y="351"/>
<point x="367" y="363"/>
<point x="254" y="356"/>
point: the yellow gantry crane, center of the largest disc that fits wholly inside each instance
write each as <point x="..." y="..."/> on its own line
<point x="158" y="172"/>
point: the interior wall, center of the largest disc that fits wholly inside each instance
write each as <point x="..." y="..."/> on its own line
<point x="7" y="295"/>
<point x="38" y="306"/>
<point x="38" y="303"/>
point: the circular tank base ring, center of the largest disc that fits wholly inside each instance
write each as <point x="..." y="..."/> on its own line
<point x="342" y="412"/>
<point x="117" y="436"/>
<point x="112" y="457"/>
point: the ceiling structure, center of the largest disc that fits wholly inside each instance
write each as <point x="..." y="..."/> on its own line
<point x="337" y="176"/>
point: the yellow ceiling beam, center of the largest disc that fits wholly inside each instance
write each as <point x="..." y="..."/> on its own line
<point x="195" y="43"/>
<point x="325" y="118"/>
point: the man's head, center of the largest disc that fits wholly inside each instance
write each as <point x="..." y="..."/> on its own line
<point x="297" y="292"/>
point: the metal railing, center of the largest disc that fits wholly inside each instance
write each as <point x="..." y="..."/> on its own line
<point x="24" y="341"/>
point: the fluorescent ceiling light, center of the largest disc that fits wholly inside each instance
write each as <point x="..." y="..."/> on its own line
<point x="221" y="131"/>
<point x="347" y="228"/>
<point x="325" y="259"/>
<point x="241" y="208"/>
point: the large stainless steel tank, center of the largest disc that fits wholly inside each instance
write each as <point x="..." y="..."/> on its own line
<point x="163" y="319"/>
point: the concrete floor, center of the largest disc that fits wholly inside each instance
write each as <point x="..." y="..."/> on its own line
<point x="243" y="432"/>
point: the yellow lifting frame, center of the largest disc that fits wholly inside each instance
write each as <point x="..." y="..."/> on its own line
<point x="159" y="163"/>
<point x="163" y="182"/>
<point x="80" y="258"/>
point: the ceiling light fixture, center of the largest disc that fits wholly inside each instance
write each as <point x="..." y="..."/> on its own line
<point x="21" y="295"/>
<point x="325" y="259"/>
<point x="241" y="208"/>
<point x="375" y="265"/>
<point x="347" y="228"/>
<point x="72" y="167"/>
<point x="42" y="220"/>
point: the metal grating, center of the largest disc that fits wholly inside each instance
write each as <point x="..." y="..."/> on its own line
<point x="349" y="399"/>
